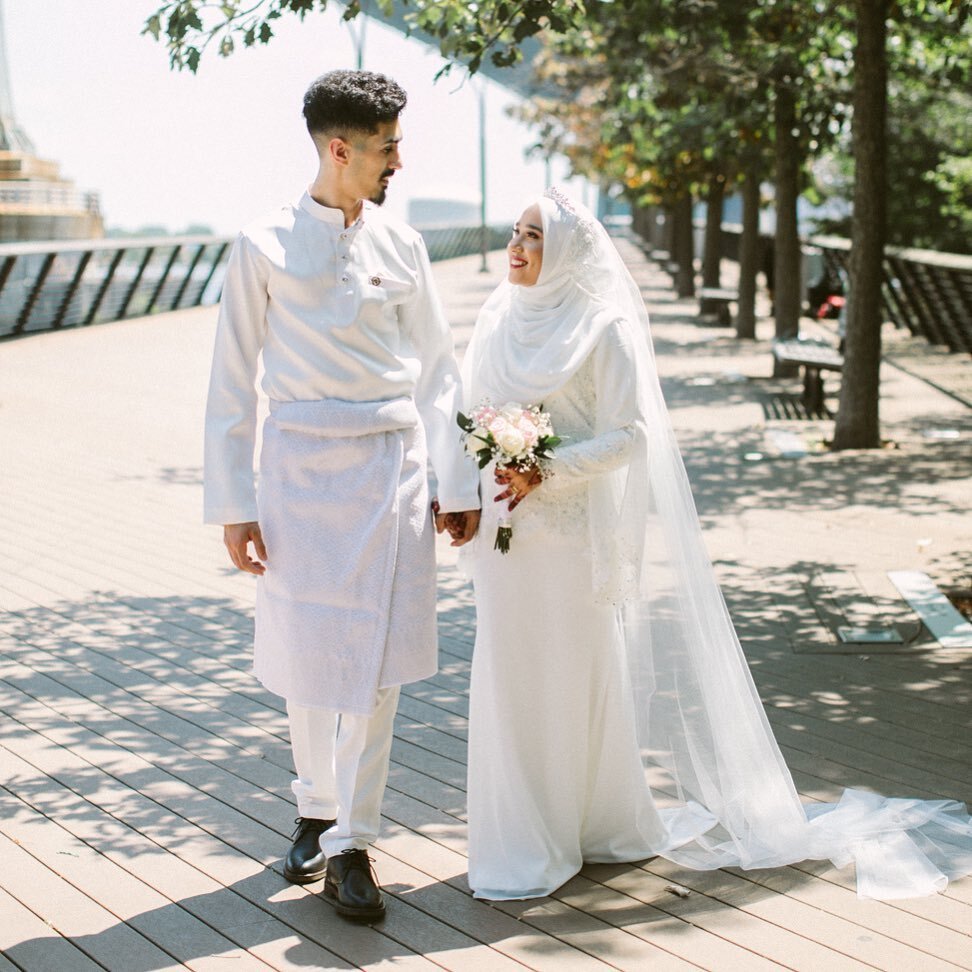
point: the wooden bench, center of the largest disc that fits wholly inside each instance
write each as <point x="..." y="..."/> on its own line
<point x="716" y="300"/>
<point x="813" y="357"/>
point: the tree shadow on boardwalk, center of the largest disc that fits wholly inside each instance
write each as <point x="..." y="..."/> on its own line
<point x="143" y="754"/>
<point x="141" y="743"/>
<point x="906" y="480"/>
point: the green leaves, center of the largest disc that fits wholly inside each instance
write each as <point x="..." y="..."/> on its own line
<point x="466" y="32"/>
<point x="189" y="27"/>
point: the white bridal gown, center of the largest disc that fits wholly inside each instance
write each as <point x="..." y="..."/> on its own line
<point x="566" y="688"/>
<point x="555" y="775"/>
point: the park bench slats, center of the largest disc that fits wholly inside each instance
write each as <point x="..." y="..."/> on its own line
<point x="717" y="301"/>
<point x="813" y="357"/>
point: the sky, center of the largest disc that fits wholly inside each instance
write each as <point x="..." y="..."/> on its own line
<point x="226" y="145"/>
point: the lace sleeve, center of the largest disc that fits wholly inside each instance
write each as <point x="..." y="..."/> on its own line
<point x="582" y="460"/>
<point x="615" y="411"/>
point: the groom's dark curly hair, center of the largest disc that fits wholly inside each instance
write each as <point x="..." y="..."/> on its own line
<point x="341" y="102"/>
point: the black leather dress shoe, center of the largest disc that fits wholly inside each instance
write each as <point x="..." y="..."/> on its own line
<point x="305" y="861"/>
<point x="351" y="887"/>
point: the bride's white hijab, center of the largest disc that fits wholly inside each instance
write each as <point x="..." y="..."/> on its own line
<point x="699" y="714"/>
<point x="529" y="340"/>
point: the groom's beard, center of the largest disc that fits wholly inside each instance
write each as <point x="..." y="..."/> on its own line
<point x="379" y="197"/>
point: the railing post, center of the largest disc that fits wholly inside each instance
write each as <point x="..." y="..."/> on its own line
<point x="962" y="299"/>
<point x="103" y="287"/>
<point x="163" y="278"/>
<point x="895" y="307"/>
<point x="6" y="270"/>
<point x="123" y="310"/>
<point x="941" y="284"/>
<point x="188" y="277"/>
<point x="72" y="289"/>
<point x="915" y="288"/>
<point x="223" y="247"/>
<point x="35" y="291"/>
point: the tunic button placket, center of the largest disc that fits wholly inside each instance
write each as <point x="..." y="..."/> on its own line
<point x="345" y="256"/>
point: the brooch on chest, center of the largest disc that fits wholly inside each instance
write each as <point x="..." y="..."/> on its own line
<point x="375" y="281"/>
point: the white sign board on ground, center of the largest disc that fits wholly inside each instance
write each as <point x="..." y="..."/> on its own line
<point x="939" y="615"/>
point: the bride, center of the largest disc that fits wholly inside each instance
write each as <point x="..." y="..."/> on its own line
<point x="612" y="713"/>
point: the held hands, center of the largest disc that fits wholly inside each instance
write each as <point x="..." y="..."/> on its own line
<point x="236" y="536"/>
<point x="462" y="526"/>
<point x="518" y="484"/>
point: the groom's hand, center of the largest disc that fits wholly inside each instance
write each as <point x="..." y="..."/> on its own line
<point x="236" y="536"/>
<point x="463" y="527"/>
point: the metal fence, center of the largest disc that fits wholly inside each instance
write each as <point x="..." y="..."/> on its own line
<point x="46" y="286"/>
<point x="80" y="282"/>
<point x="927" y="292"/>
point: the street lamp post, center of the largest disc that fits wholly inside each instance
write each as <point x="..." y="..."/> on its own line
<point x="358" y="36"/>
<point x="483" y="229"/>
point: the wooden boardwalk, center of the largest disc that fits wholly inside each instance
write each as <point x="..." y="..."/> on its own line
<point x="145" y="799"/>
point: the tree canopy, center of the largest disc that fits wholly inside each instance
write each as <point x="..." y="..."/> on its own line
<point x="668" y="99"/>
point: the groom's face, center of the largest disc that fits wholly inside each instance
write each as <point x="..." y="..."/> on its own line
<point x="373" y="160"/>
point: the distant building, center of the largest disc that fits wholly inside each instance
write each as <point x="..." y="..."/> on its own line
<point x="36" y="202"/>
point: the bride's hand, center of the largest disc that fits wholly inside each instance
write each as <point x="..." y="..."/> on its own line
<point x="518" y="484"/>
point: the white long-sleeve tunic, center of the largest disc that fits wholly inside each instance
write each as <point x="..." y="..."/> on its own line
<point x="347" y="313"/>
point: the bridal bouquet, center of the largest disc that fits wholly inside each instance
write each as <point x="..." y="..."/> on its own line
<point x="515" y="436"/>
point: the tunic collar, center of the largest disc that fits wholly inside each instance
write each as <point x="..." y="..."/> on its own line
<point x="335" y="217"/>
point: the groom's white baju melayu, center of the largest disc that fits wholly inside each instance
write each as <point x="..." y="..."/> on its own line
<point x="363" y="388"/>
<point x="604" y="647"/>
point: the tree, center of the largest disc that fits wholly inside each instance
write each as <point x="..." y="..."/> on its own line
<point x="931" y="29"/>
<point x="857" y="424"/>
<point x="687" y="92"/>
<point x="929" y="137"/>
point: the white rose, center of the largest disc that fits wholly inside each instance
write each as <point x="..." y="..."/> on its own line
<point x="529" y="431"/>
<point x="510" y="440"/>
<point x="476" y="441"/>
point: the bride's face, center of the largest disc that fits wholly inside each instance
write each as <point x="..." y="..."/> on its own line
<point x="525" y="248"/>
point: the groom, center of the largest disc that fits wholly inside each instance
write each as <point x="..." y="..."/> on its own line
<point x="339" y="300"/>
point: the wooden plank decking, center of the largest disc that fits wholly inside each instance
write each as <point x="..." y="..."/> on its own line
<point x="145" y="797"/>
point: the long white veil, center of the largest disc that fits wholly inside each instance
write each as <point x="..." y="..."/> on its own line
<point x="700" y="717"/>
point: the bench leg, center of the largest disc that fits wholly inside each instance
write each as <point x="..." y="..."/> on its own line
<point x="813" y="390"/>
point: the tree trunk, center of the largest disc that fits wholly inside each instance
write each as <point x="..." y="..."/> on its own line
<point x="857" y="425"/>
<point x="712" y="246"/>
<point x="641" y="217"/>
<point x="749" y="253"/>
<point x="684" y="246"/>
<point x="786" y="252"/>
<point x="668" y="231"/>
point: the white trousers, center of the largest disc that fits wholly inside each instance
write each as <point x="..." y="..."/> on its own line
<point x="342" y="768"/>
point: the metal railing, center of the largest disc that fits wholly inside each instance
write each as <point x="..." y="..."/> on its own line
<point x="927" y="292"/>
<point x="46" y="286"/>
<point x="444" y="243"/>
<point x="924" y="291"/>
<point x="47" y="194"/>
